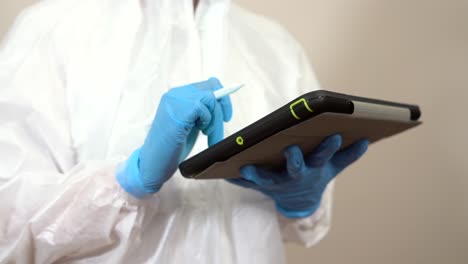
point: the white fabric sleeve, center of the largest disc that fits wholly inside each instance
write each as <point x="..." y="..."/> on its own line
<point x="310" y="230"/>
<point x="53" y="209"/>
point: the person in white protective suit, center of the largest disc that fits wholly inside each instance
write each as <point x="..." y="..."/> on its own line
<point x="99" y="102"/>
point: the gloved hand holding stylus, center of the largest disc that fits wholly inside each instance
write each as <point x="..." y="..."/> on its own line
<point x="182" y="113"/>
<point x="297" y="189"/>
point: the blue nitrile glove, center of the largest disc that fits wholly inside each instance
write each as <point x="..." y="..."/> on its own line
<point x="297" y="189"/>
<point x="182" y="113"/>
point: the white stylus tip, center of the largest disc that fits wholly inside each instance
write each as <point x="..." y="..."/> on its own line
<point x="227" y="91"/>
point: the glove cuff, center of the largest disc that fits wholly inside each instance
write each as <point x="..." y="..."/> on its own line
<point x="297" y="213"/>
<point x="128" y="176"/>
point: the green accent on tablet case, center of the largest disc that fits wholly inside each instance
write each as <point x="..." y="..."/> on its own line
<point x="302" y="100"/>
<point x="240" y="141"/>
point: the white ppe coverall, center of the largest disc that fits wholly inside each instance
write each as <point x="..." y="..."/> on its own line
<point x="80" y="82"/>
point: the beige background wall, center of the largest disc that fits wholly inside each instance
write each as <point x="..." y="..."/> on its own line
<point x="407" y="200"/>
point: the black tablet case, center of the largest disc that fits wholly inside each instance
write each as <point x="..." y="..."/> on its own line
<point x="353" y="117"/>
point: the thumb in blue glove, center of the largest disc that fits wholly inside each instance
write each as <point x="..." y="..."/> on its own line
<point x="182" y="113"/>
<point x="298" y="188"/>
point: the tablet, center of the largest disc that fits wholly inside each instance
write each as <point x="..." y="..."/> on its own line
<point x="305" y="122"/>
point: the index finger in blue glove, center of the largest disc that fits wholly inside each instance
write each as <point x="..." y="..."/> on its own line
<point x="294" y="161"/>
<point x="202" y="115"/>
<point x="225" y="101"/>
<point x="204" y="90"/>
<point x="324" y="152"/>
<point x="216" y="134"/>
<point x="226" y="106"/>
<point x="212" y="84"/>
<point x="346" y="157"/>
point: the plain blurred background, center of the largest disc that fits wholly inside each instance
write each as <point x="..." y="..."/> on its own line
<point x="407" y="200"/>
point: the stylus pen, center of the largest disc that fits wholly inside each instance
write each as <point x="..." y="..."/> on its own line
<point x="227" y="91"/>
